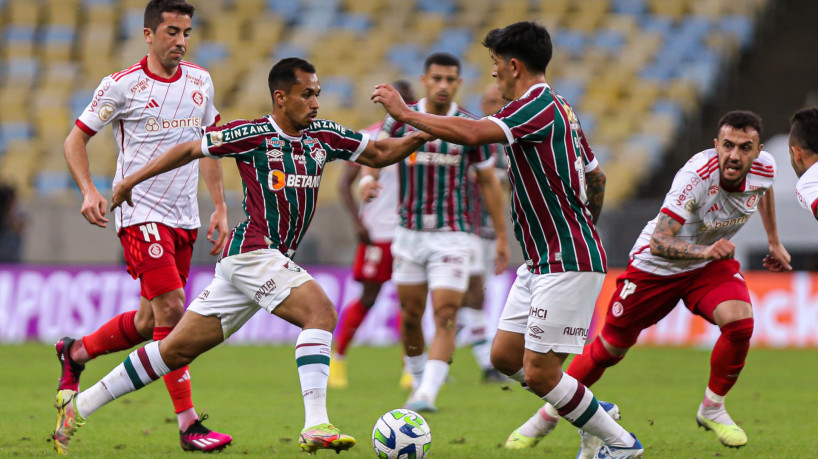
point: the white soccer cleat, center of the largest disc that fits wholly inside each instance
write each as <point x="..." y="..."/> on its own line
<point x="615" y="452"/>
<point x="590" y="444"/>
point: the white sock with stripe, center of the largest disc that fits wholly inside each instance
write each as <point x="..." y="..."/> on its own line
<point x="434" y="375"/>
<point x="142" y="367"/>
<point x="474" y="323"/>
<point x="312" y="354"/>
<point x="415" y="365"/>
<point x="577" y="404"/>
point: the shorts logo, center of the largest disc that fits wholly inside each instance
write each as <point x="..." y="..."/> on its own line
<point x="535" y="332"/>
<point x="617" y="309"/>
<point x="539" y="313"/>
<point x="292" y="267"/>
<point x="198" y="98"/>
<point x="155" y="250"/>
<point x="203" y="296"/>
<point x="105" y="112"/>
<point x="265" y="289"/>
<point x="575" y="331"/>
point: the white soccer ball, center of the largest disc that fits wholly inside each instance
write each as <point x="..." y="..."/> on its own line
<point x="401" y="434"/>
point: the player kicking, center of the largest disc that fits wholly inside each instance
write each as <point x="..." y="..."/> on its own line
<point x="552" y="300"/>
<point x="375" y="224"/>
<point x="281" y="159"/>
<point x="685" y="254"/>
<point x="153" y="105"/>
<point x="432" y="245"/>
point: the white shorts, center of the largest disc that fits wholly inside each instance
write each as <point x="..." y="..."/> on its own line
<point x="245" y="283"/>
<point x="553" y="311"/>
<point x="483" y="255"/>
<point x="439" y="259"/>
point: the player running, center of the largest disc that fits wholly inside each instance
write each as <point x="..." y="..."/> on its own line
<point x="685" y="254"/>
<point x="281" y="159"/>
<point x="375" y="224"/>
<point x="432" y="245"/>
<point x="151" y="106"/>
<point x="553" y="173"/>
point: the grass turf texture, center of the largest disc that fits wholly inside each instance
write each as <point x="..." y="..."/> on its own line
<point x="253" y="394"/>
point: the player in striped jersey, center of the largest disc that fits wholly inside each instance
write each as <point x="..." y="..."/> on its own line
<point x="153" y="105"/>
<point x="685" y="254"/>
<point x="281" y="158"/>
<point x="432" y="246"/>
<point x="375" y="223"/>
<point x="803" y="143"/>
<point x="557" y="189"/>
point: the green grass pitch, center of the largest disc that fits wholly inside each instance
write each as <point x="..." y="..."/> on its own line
<point x="253" y="394"/>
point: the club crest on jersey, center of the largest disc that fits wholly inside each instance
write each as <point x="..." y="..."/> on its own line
<point x="317" y="153"/>
<point x="751" y="201"/>
<point x="198" y="98"/>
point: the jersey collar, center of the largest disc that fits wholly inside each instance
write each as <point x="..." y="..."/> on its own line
<point x="280" y="132"/>
<point x="533" y="87"/>
<point x="422" y="107"/>
<point x="175" y="77"/>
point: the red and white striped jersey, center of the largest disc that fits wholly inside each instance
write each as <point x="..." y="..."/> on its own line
<point x="806" y="190"/>
<point x="149" y="115"/>
<point x="706" y="211"/>
<point x="380" y="215"/>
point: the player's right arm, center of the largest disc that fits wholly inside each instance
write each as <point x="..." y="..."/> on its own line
<point x="177" y="156"/>
<point x="664" y="243"/>
<point x="76" y="156"/>
<point x="345" y="189"/>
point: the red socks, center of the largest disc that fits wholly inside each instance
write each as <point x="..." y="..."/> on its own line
<point x="729" y="354"/>
<point x="177" y="381"/>
<point x="589" y="366"/>
<point x="115" y="335"/>
<point x="351" y="319"/>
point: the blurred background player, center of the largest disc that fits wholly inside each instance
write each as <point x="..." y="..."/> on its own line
<point x="375" y="223"/>
<point x="471" y="319"/>
<point x="281" y="158"/>
<point x="432" y="247"/>
<point x="685" y="253"/>
<point x="557" y="194"/>
<point x="803" y="143"/>
<point x="151" y="106"/>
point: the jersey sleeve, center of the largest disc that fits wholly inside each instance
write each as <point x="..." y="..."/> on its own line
<point x="391" y="128"/>
<point x="485" y="156"/>
<point x="588" y="156"/>
<point x="521" y="120"/>
<point x="105" y="106"/>
<point x="227" y="139"/>
<point x="341" y="142"/>
<point x="685" y="196"/>
<point x="211" y="114"/>
<point x="807" y="193"/>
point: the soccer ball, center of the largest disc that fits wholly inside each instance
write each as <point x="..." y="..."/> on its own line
<point x="401" y="434"/>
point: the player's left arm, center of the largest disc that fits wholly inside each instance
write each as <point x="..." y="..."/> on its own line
<point x="389" y="150"/>
<point x="778" y="259"/>
<point x="664" y="243"/>
<point x="211" y="170"/>
<point x="177" y="156"/>
<point x="595" y="188"/>
<point x="452" y="129"/>
<point x="493" y="198"/>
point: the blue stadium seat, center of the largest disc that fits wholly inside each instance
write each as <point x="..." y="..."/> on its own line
<point x="668" y="107"/>
<point x="20" y="69"/>
<point x="288" y="9"/>
<point x="572" y="41"/>
<point x="437" y="6"/>
<point x="611" y="41"/>
<point x="339" y="86"/>
<point x="131" y="20"/>
<point x="571" y="89"/>
<point x="290" y="49"/>
<point x="59" y="34"/>
<point x="19" y="33"/>
<point x="453" y="41"/>
<point x="78" y="101"/>
<point x="406" y="56"/>
<point x="629" y="7"/>
<point x="50" y="182"/>
<point x="741" y="27"/>
<point x="15" y="130"/>
<point x="658" y="24"/>
<point x="208" y="52"/>
<point x="353" y="21"/>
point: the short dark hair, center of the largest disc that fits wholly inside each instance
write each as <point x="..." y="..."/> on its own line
<point x="444" y="59"/>
<point x="741" y="120"/>
<point x="154" y="10"/>
<point x="405" y="90"/>
<point x="804" y="129"/>
<point x="282" y="75"/>
<point x="525" y="41"/>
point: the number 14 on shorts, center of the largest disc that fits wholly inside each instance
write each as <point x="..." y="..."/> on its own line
<point x="628" y="288"/>
<point x="150" y="229"/>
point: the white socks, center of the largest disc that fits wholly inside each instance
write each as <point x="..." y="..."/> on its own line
<point x="312" y="354"/>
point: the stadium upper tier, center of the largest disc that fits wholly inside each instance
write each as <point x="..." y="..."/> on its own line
<point x="632" y="69"/>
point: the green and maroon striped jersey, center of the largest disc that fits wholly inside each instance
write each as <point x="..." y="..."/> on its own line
<point x="280" y="176"/>
<point x="481" y="224"/>
<point x="548" y="157"/>
<point x="433" y="191"/>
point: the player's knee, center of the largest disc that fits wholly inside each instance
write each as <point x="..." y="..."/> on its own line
<point x="446" y="317"/>
<point x="144" y="325"/>
<point x="174" y="356"/>
<point x="739" y="330"/>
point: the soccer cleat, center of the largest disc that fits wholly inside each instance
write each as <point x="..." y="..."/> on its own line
<point x="616" y="452"/>
<point x="324" y="436"/>
<point x="590" y="444"/>
<point x="337" y="373"/>
<point x="420" y="405"/>
<point x="197" y="437"/>
<point x="519" y="441"/>
<point x="730" y="435"/>
<point x="68" y="420"/>
<point x="70" y="370"/>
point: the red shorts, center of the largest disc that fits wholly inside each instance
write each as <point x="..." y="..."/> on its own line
<point x="373" y="263"/>
<point x="158" y="255"/>
<point x="641" y="299"/>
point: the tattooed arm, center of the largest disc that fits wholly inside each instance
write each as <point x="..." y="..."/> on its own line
<point x="595" y="184"/>
<point x="664" y="243"/>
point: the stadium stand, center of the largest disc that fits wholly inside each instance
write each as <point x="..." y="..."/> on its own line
<point x="633" y="69"/>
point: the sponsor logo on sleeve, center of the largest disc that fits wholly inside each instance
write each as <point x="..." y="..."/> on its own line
<point x="216" y="138"/>
<point x="105" y="112"/>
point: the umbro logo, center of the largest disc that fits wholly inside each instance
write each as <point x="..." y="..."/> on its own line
<point x="152" y="104"/>
<point x="537" y="330"/>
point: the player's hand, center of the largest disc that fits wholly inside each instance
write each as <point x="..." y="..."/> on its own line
<point x="122" y="193"/>
<point x="391" y="100"/>
<point x="425" y="136"/>
<point x="501" y="263"/>
<point x="93" y="208"/>
<point x="362" y="233"/>
<point x="218" y="224"/>
<point x="778" y="260"/>
<point x="368" y="189"/>
<point x="720" y="250"/>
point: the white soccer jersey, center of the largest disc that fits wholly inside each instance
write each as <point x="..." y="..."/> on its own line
<point x="149" y="115"/>
<point x="806" y="190"/>
<point x="380" y="215"/>
<point x="706" y="211"/>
